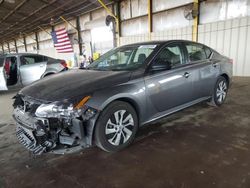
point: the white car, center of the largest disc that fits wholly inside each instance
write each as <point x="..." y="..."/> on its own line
<point x="24" y="68"/>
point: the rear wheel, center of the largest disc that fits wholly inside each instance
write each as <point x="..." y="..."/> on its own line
<point x="116" y="127"/>
<point x="220" y="92"/>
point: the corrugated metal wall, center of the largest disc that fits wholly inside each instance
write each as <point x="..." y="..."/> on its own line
<point x="230" y="38"/>
<point x="184" y="33"/>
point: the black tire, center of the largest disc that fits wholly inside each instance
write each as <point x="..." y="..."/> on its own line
<point x="105" y="129"/>
<point x="218" y="99"/>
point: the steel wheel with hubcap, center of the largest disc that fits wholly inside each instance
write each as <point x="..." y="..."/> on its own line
<point x="220" y="92"/>
<point x="116" y="126"/>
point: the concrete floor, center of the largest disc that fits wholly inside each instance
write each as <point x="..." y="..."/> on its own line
<point x="199" y="147"/>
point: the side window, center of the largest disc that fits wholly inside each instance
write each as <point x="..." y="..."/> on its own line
<point x="39" y="59"/>
<point x="170" y="55"/>
<point x="141" y="54"/>
<point x="216" y="55"/>
<point x="196" y="52"/>
<point x="27" y="60"/>
<point x="45" y="58"/>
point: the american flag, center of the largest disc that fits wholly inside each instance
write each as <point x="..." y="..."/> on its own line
<point x="61" y="41"/>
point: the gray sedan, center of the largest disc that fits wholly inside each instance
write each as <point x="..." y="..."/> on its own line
<point x="127" y="87"/>
<point x="24" y="68"/>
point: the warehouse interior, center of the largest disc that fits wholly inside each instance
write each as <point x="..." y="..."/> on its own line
<point x="222" y="25"/>
<point x="199" y="146"/>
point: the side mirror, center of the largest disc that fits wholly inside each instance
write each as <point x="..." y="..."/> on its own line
<point x="161" y="65"/>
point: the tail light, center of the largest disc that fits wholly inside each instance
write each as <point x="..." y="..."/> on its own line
<point x="231" y="61"/>
<point x="63" y="63"/>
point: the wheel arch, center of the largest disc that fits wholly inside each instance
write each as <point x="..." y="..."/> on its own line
<point x="47" y="74"/>
<point x="226" y="77"/>
<point x="128" y="100"/>
<point x="132" y="102"/>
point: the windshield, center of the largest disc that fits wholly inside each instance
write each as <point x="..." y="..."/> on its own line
<point x="123" y="58"/>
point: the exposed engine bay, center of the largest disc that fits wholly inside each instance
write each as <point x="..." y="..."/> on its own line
<point x="52" y="127"/>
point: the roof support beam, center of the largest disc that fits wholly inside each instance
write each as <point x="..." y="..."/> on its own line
<point x="195" y="21"/>
<point x="2" y="48"/>
<point x="118" y="33"/>
<point x="150" y="20"/>
<point x="8" y="44"/>
<point x="15" y="46"/>
<point x="25" y="44"/>
<point x="78" y="27"/>
<point x="37" y="42"/>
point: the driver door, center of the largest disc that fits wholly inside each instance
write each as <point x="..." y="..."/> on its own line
<point x="3" y="85"/>
<point x="167" y="89"/>
<point x="31" y="69"/>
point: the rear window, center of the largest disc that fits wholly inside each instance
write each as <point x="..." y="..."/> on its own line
<point x="1" y="61"/>
<point x="31" y="59"/>
<point x="196" y="52"/>
<point x="45" y="58"/>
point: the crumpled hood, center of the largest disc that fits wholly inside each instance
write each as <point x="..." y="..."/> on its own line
<point x="74" y="84"/>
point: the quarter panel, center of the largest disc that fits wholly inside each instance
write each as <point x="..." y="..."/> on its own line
<point x="226" y="68"/>
<point x="53" y="68"/>
<point x="208" y="76"/>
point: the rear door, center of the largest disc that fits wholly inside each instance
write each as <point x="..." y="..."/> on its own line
<point x="3" y="85"/>
<point x="170" y="88"/>
<point x="199" y="57"/>
<point x="32" y="68"/>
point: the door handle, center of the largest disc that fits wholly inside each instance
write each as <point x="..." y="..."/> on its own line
<point x="215" y="63"/>
<point x="186" y="74"/>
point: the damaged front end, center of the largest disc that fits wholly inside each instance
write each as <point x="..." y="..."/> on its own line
<point x="58" y="127"/>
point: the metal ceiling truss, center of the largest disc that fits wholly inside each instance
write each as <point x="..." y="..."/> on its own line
<point x="28" y="23"/>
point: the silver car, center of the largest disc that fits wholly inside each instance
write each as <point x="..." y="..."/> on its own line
<point x="23" y="68"/>
<point x="127" y="87"/>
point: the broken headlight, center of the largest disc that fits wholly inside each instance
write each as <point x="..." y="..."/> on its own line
<point x="58" y="110"/>
<point x="66" y="110"/>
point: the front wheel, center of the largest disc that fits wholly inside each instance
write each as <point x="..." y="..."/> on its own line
<point x="116" y="127"/>
<point x="220" y="92"/>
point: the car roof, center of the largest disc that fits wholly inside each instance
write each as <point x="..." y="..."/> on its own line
<point x="157" y="42"/>
<point x="19" y="54"/>
<point x="161" y="42"/>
